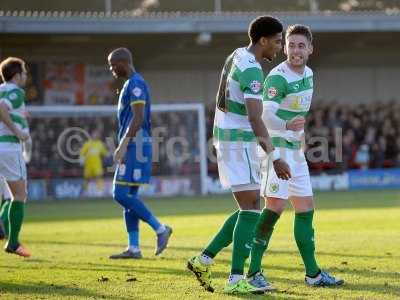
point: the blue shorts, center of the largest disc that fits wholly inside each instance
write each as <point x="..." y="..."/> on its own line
<point x="136" y="168"/>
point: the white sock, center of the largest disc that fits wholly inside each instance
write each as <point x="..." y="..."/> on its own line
<point x="233" y="278"/>
<point x="160" y="229"/>
<point x="205" y="260"/>
<point x="134" y="248"/>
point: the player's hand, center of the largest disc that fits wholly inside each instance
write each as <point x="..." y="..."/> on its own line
<point x="27" y="150"/>
<point x="296" y="124"/>
<point x="282" y="169"/>
<point x="119" y="154"/>
<point x="22" y="135"/>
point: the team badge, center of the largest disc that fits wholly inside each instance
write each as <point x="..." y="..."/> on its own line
<point x="121" y="169"/>
<point x="272" y="92"/>
<point x="13" y="96"/>
<point x="137" y="91"/>
<point x="137" y="174"/>
<point x="255" y="86"/>
<point x="274" y="188"/>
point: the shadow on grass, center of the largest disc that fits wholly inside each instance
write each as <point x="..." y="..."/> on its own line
<point x="49" y="289"/>
<point x="186" y="206"/>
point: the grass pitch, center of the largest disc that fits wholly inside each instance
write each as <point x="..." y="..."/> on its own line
<point x="357" y="234"/>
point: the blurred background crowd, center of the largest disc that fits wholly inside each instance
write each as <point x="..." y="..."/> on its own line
<point x="368" y="134"/>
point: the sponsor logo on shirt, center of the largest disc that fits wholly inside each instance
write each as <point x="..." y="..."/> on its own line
<point x="137" y="91"/>
<point x="272" y="92"/>
<point x="255" y="86"/>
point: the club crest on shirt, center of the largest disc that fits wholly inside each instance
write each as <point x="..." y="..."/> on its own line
<point x="137" y="174"/>
<point x="13" y="96"/>
<point x="137" y="91"/>
<point x="274" y="187"/>
<point x="255" y="86"/>
<point x="121" y="169"/>
<point x="272" y="92"/>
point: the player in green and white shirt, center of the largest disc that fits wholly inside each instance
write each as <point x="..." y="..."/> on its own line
<point x="238" y="130"/>
<point x="14" y="132"/>
<point x="288" y="90"/>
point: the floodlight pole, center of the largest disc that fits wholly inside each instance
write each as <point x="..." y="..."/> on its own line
<point x="314" y="5"/>
<point x="217" y="6"/>
<point x="107" y="6"/>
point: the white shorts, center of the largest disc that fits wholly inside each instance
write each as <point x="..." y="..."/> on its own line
<point x="12" y="165"/>
<point x="239" y="169"/>
<point x="4" y="189"/>
<point x="300" y="183"/>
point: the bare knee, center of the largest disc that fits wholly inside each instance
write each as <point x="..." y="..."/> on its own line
<point x="302" y="204"/>
<point x="277" y="205"/>
<point x="248" y="200"/>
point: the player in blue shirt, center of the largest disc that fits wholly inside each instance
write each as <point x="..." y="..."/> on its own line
<point x="133" y="154"/>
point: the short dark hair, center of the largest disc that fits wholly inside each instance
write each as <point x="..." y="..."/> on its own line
<point x="264" y="26"/>
<point x="300" y="29"/>
<point x="10" y="67"/>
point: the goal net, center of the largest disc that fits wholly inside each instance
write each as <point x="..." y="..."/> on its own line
<point x="56" y="169"/>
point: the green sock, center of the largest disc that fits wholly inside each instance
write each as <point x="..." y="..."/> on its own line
<point x="223" y="238"/>
<point x="304" y="235"/>
<point x="16" y="217"/>
<point x="242" y="236"/>
<point x="4" y="214"/>
<point x="263" y="232"/>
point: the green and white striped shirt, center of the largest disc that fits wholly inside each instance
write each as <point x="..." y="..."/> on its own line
<point x="232" y="127"/>
<point x="14" y="97"/>
<point x="291" y="93"/>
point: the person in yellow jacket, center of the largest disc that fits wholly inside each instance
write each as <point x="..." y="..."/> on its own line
<point x="92" y="153"/>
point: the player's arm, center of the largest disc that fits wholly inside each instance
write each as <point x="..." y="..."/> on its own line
<point x="251" y="85"/>
<point x="103" y="150"/>
<point x="134" y="126"/>
<point x="275" y="89"/>
<point x="137" y="103"/>
<point x="6" y="119"/>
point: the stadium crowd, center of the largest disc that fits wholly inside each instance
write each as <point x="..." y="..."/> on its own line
<point x="368" y="133"/>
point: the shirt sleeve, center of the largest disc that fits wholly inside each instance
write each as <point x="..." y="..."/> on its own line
<point x="137" y="93"/>
<point x="275" y="88"/>
<point x="6" y="102"/>
<point x="251" y="83"/>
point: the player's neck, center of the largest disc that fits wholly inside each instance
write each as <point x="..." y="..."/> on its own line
<point x="297" y="69"/>
<point x="256" y="51"/>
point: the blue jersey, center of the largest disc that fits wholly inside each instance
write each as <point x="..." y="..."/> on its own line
<point x="136" y="168"/>
<point x="135" y="90"/>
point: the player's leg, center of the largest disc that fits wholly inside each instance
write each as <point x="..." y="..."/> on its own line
<point x="239" y="172"/>
<point x="303" y="204"/>
<point x="246" y="165"/>
<point x="248" y="202"/>
<point x="98" y="174"/>
<point x="16" y="215"/>
<point x="13" y="169"/>
<point x="275" y="192"/>
<point x="132" y="228"/>
<point x="5" y="194"/>
<point x="129" y="199"/>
